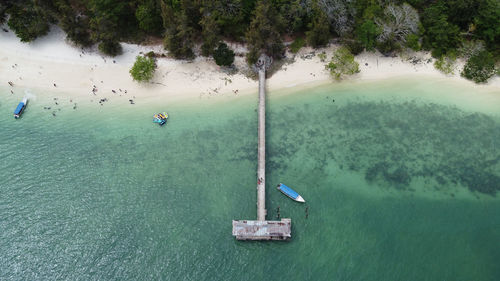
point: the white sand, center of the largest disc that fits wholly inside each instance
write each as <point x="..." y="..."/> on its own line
<point x="50" y="59"/>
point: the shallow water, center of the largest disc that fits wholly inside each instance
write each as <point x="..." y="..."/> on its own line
<point x="387" y="170"/>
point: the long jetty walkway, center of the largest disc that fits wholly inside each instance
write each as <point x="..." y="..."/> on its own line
<point x="261" y="229"/>
<point x="261" y="168"/>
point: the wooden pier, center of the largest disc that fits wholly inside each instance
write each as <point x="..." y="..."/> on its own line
<point x="261" y="168"/>
<point x="261" y="229"/>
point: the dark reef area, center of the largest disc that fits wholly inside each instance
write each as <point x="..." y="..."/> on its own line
<point x="392" y="143"/>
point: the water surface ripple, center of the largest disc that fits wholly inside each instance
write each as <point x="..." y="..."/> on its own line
<point x="397" y="187"/>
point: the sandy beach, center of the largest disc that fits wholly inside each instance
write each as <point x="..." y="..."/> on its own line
<point x="51" y="64"/>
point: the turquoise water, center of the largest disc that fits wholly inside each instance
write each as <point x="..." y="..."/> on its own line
<point x="400" y="181"/>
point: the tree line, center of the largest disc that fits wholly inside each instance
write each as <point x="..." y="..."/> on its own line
<point x="467" y="28"/>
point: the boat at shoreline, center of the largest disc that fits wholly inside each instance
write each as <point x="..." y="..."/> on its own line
<point x="290" y="193"/>
<point x="20" y="108"/>
<point x="160" y="118"/>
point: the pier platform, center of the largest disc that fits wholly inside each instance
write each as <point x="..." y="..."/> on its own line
<point x="262" y="230"/>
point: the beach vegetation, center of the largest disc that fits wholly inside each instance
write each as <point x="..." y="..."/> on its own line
<point x="143" y="69"/>
<point x="148" y="17"/>
<point x="440" y="35"/>
<point x="111" y="20"/>
<point x="354" y="46"/>
<point x="297" y="44"/>
<point x="340" y="14"/>
<point x="397" y="23"/>
<point x="319" y="31"/>
<point x="3" y="14"/>
<point x="179" y="39"/>
<point x="263" y="34"/>
<point x="223" y="56"/>
<point x="446" y="63"/>
<point x="342" y="63"/>
<point x="179" y="34"/>
<point x="486" y="22"/>
<point x="192" y="27"/>
<point x="77" y="30"/>
<point x="110" y="47"/>
<point x="470" y="48"/>
<point x="367" y="34"/>
<point x="322" y="56"/>
<point x="27" y="22"/>
<point x="479" y="67"/>
<point x="413" y="42"/>
<point x="210" y="34"/>
<point x="294" y="14"/>
<point x="388" y="47"/>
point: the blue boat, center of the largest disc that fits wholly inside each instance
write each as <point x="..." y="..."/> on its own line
<point x="160" y="118"/>
<point x="20" y="108"/>
<point x="290" y="193"/>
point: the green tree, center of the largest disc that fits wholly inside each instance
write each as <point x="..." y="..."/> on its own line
<point x="192" y="10"/>
<point x="230" y="16"/>
<point x="440" y="36"/>
<point x="223" y="55"/>
<point x="367" y="34"/>
<point x="342" y="63"/>
<point x="263" y="35"/>
<point x="179" y="39"/>
<point x="319" y="33"/>
<point x="487" y="23"/>
<point x="143" y="69"/>
<point x="480" y="67"/>
<point x="111" y="20"/>
<point x="3" y="14"/>
<point x="179" y="35"/>
<point x="413" y="42"/>
<point x="148" y="16"/>
<point x="368" y="10"/>
<point x="297" y="44"/>
<point x="388" y="46"/>
<point x="293" y="13"/>
<point x="446" y="64"/>
<point x="27" y="22"/>
<point x="461" y="12"/>
<point x="75" y="23"/>
<point x="110" y="47"/>
<point x="210" y="34"/>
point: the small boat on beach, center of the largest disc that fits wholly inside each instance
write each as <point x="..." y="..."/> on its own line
<point x="290" y="193"/>
<point x="20" y="108"/>
<point x="160" y="118"/>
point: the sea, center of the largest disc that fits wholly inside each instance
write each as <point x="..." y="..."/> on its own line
<point x="400" y="176"/>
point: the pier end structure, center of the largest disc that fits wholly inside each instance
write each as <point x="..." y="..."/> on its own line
<point x="261" y="229"/>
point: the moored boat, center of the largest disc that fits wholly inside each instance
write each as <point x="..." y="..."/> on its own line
<point x="290" y="193"/>
<point x="160" y="118"/>
<point x="20" y="108"/>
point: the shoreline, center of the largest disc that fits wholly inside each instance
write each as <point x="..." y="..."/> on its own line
<point x="50" y="65"/>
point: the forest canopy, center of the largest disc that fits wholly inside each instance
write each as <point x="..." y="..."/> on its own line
<point x="439" y="26"/>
